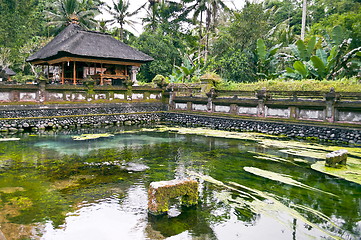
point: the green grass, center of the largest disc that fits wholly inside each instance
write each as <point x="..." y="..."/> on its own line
<point x="342" y="85"/>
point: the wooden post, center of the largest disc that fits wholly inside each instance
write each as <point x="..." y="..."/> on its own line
<point x="101" y="74"/>
<point x="74" y="74"/>
<point x="62" y="73"/>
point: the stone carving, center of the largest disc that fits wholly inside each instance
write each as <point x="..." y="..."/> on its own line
<point x="335" y="158"/>
<point x="159" y="194"/>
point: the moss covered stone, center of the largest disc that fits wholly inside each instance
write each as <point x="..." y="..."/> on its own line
<point x="159" y="194"/>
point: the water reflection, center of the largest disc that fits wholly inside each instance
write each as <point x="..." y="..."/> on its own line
<point x="97" y="189"/>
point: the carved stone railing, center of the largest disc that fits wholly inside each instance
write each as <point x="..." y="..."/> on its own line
<point x="342" y="107"/>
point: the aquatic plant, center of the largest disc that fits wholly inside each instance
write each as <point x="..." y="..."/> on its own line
<point x="264" y="203"/>
<point x="91" y="136"/>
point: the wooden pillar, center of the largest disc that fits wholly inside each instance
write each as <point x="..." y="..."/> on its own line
<point x="62" y="73"/>
<point x="101" y="74"/>
<point x="74" y="73"/>
<point x="48" y="71"/>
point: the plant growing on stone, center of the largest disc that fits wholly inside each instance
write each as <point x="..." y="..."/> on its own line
<point x="160" y="81"/>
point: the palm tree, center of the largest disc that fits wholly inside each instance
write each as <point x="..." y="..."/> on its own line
<point x="121" y="14"/>
<point x="151" y="7"/>
<point x="166" y="15"/>
<point x="64" y="12"/>
<point x="210" y="9"/>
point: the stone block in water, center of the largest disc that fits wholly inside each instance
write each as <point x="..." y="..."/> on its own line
<point x="159" y="194"/>
<point x="335" y="158"/>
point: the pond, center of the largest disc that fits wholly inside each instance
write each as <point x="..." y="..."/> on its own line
<point x="251" y="186"/>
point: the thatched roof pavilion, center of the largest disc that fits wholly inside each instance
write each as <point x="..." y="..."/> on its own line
<point x="79" y="54"/>
<point x="7" y="73"/>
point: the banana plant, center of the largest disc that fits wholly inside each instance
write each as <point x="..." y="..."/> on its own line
<point x="266" y="60"/>
<point x="300" y="71"/>
<point x="188" y="69"/>
<point x="329" y="62"/>
<point x="301" y="51"/>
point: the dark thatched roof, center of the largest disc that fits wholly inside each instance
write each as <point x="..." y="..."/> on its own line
<point x="75" y="41"/>
<point x="8" y="71"/>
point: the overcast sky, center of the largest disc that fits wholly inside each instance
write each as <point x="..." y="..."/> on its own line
<point x="135" y="4"/>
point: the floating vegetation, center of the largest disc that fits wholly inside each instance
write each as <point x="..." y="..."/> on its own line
<point x="305" y="153"/>
<point x="271" y="157"/>
<point x="51" y="180"/>
<point x="91" y="136"/>
<point x="283" y="178"/>
<point x="264" y="203"/>
<point x="9" y="139"/>
<point x="11" y="189"/>
<point x="351" y="172"/>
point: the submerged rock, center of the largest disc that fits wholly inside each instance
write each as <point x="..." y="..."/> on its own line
<point x="136" y="167"/>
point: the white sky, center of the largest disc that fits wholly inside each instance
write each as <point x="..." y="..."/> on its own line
<point x="135" y="4"/>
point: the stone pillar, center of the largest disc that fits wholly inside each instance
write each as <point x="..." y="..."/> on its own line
<point x="233" y="109"/>
<point x="211" y="95"/>
<point x="41" y="95"/>
<point x="14" y="96"/>
<point x="262" y="98"/>
<point x="331" y="98"/>
<point x="293" y="112"/>
<point x="134" y="72"/>
<point x="172" y="95"/>
<point x="159" y="194"/>
<point x="189" y="106"/>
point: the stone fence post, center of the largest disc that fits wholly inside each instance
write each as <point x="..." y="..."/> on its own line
<point x="41" y="95"/>
<point x="331" y="98"/>
<point x="172" y="95"/>
<point x="211" y="95"/>
<point x="262" y="98"/>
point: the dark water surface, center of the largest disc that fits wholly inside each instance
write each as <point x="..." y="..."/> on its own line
<point x="53" y="187"/>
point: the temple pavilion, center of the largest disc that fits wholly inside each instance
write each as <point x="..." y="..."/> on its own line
<point x="76" y="54"/>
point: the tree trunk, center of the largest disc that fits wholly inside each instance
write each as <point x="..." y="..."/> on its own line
<point x="200" y="38"/>
<point x="304" y="12"/>
<point x="121" y="33"/>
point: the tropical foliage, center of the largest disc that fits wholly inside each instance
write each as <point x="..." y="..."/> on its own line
<point x="259" y="40"/>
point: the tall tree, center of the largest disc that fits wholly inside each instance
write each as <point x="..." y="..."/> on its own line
<point x="210" y="9"/>
<point x="20" y="22"/>
<point x="121" y="15"/>
<point x="63" y="12"/>
<point x="236" y="41"/>
<point x="304" y="13"/>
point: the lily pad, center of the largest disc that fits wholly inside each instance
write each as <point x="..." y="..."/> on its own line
<point x="91" y="136"/>
<point x="351" y="172"/>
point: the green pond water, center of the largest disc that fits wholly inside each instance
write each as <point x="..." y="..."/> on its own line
<point x="253" y="187"/>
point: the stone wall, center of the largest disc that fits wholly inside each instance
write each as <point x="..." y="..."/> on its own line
<point x="43" y="92"/>
<point x="35" y="117"/>
<point x="323" y="133"/>
<point x="54" y="110"/>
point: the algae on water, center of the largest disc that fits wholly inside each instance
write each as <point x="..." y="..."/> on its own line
<point x="91" y="136"/>
<point x="264" y="203"/>
<point x="281" y="178"/>
<point x="351" y="172"/>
